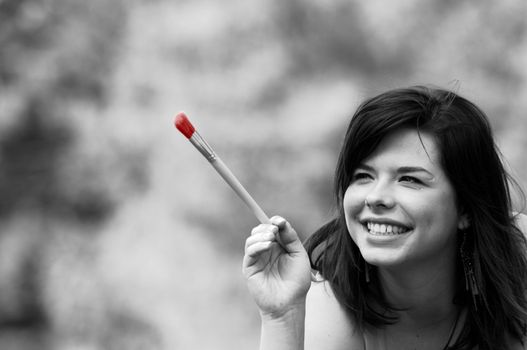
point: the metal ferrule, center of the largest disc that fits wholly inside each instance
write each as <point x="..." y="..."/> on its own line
<point x="203" y="146"/>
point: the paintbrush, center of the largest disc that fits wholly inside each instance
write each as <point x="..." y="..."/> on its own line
<point x="183" y="124"/>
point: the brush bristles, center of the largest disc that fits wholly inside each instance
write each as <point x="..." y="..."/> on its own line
<point x="183" y="124"/>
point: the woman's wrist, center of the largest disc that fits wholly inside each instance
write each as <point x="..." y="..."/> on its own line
<point x="286" y="313"/>
<point x="284" y="330"/>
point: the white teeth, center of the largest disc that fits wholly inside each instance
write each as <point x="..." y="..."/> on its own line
<point x="384" y="229"/>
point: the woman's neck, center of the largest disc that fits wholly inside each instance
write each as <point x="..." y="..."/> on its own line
<point x="423" y="295"/>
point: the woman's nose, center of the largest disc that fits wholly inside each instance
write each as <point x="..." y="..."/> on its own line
<point x="379" y="197"/>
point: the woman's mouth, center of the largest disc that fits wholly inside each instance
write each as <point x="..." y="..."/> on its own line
<point x="378" y="229"/>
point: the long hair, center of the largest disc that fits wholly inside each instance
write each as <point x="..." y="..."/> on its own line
<point x="472" y="163"/>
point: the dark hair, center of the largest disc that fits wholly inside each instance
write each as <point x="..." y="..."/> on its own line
<point x="473" y="165"/>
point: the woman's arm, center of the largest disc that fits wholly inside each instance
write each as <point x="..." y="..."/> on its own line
<point x="278" y="275"/>
<point x="285" y="332"/>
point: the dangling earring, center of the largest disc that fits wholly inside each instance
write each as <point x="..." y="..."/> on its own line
<point x="468" y="268"/>
<point x="367" y="272"/>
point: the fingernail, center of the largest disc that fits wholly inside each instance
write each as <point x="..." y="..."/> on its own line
<point x="280" y="221"/>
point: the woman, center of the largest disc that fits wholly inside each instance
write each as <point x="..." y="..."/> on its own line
<point x="425" y="252"/>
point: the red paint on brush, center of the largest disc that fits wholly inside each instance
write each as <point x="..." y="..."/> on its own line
<point x="183" y="124"/>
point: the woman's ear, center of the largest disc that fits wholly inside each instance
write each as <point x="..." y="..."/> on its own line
<point x="463" y="222"/>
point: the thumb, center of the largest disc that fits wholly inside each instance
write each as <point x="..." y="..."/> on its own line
<point x="287" y="235"/>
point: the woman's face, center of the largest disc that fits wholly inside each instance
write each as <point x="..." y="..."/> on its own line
<point x="400" y="207"/>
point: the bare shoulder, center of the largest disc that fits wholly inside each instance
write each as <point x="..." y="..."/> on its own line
<point x="515" y="344"/>
<point x="327" y="324"/>
<point x="521" y="222"/>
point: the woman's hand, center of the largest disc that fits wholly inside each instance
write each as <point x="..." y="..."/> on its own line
<point x="277" y="268"/>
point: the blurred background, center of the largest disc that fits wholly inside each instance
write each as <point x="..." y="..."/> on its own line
<point x="115" y="233"/>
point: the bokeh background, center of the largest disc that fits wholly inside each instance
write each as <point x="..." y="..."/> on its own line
<point x="114" y="232"/>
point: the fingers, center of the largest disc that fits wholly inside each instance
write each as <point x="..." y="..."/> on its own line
<point x="257" y="240"/>
<point x="265" y="228"/>
<point x="262" y="238"/>
<point x="264" y="235"/>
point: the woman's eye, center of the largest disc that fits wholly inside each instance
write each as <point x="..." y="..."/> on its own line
<point x="361" y="176"/>
<point x="410" y="179"/>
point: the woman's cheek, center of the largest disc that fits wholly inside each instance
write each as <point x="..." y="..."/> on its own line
<point x="355" y="195"/>
<point x="352" y="203"/>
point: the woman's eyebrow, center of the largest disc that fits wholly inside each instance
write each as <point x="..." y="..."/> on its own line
<point x="414" y="169"/>
<point x="366" y="167"/>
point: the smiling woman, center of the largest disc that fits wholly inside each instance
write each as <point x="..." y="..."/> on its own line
<point x="425" y="252"/>
<point x="401" y="188"/>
